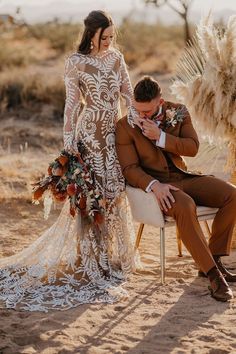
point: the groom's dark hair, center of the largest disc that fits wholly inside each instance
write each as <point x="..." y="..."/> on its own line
<point x="146" y="89"/>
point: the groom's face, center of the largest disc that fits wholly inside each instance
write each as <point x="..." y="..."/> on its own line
<point x="147" y="109"/>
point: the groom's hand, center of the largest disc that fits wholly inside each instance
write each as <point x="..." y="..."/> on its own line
<point x="163" y="194"/>
<point x="150" y="129"/>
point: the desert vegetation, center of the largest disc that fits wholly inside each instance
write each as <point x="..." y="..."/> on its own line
<point x="32" y="57"/>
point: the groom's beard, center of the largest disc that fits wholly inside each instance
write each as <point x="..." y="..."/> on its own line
<point x="157" y="114"/>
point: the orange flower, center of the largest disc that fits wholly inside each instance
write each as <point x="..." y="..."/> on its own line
<point x="37" y="194"/>
<point x="98" y="218"/>
<point x="53" y="188"/>
<point x="82" y="202"/>
<point x="60" y="196"/>
<point x="72" y="211"/>
<point x="71" y="189"/>
<point x="62" y="159"/>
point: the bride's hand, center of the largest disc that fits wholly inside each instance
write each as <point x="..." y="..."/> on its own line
<point x="72" y="148"/>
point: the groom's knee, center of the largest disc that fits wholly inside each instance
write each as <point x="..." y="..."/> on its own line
<point x="183" y="205"/>
<point x="188" y="206"/>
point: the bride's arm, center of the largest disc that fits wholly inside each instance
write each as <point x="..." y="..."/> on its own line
<point x="72" y="104"/>
<point x="126" y="91"/>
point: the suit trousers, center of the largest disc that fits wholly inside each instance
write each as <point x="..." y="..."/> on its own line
<point x="208" y="191"/>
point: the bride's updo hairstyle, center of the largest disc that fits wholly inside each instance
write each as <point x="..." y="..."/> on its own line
<point x="94" y="21"/>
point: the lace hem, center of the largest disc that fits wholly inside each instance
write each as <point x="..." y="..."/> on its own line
<point x="72" y="263"/>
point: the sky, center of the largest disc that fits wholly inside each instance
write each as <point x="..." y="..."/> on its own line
<point x="75" y="10"/>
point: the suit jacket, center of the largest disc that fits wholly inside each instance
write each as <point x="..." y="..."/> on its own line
<point x="142" y="161"/>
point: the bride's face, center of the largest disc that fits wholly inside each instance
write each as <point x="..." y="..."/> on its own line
<point x="106" y="39"/>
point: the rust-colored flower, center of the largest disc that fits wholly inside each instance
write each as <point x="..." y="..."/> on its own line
<point x="63" y="160"/>
<point x="37" y="194"/>
<point x="53" y="188"/>
<point x="71" y="189"/>
<point x="72" y="211"/>
<point x="98" y="218"/>
<point x="82" y="202"/>
<point x="60" y="196"/>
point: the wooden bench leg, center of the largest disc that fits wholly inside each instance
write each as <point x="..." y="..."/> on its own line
<point x="179" y="243"/>
<point x="139" y="235"/>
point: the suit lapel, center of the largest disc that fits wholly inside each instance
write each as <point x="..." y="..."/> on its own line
<point x="167" y="128"/>
<point x="162" y="125"/>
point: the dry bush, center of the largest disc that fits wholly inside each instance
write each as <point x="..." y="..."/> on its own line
<point x="61" y="36"/>
<point x="41" y="48"/>
<point x="164" y="60"/>
<point x="138" y="41"/>
<point x="21" y="89"/>
<point x="26" y="45"/>
<point x="142" y="41"/>
<point x="9" y="56"/>
<point x="19" y="171"/>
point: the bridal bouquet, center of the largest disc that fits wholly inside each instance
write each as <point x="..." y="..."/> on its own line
<point x="70" y="177"/>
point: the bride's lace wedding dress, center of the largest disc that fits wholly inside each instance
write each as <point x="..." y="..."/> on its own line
<point x="73" y="262"/>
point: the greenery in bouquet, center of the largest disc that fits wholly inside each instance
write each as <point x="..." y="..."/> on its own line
<point x="70" y="177"/>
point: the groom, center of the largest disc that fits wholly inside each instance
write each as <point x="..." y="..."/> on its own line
<point x="149" y="153"/>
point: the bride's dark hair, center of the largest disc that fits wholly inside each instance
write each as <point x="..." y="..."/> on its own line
<point x="94" y="21"/>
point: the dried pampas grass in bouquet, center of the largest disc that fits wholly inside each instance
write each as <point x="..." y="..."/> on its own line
<point x="206" y="82"/>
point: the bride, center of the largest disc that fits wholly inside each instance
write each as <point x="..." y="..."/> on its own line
<point x="73" y="262"/>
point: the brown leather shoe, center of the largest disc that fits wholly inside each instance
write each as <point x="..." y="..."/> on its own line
<point x="219" y="288"/>
<point x="202" y="274"/>
<point x="229" y="277"/>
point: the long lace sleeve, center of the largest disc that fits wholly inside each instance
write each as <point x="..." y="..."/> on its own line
<point x="126" y="91"/>
<point x="72" y="104"/>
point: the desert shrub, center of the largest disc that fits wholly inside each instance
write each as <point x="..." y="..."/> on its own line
<point x="140" y="41"/>
<point x="9" y="56"/>
<point x="24" y="90"/>
<point x="61" y="36"/>
<point x="39" y="48"/>
<point x="32" y="44"/>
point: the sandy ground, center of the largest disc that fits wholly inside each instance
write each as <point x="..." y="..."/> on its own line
<point x="178" y="317"/>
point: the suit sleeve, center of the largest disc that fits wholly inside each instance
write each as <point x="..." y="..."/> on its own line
<point x="186" y="144"/>
<point x="129" y="160"/>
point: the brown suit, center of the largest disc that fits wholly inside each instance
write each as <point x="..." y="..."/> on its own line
<point x="142" y="161"/>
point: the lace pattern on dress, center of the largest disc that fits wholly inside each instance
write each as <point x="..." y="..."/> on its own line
<point x="73" y="262"/>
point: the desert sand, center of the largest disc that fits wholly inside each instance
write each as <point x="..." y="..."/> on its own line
<point x="178" y="317"/>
